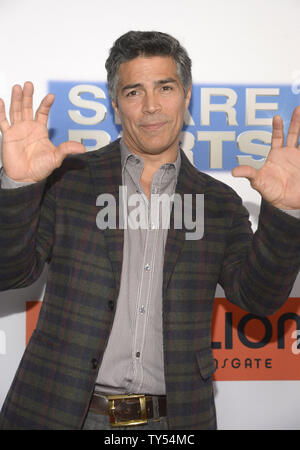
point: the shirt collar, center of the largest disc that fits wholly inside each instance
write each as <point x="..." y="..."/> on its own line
<point x="126" y="154"/>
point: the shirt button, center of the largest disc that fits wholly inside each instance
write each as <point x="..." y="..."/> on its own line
<point x="142" y="309"/>
<point x="147" y="267"/>
<point x="138" y="354"/>
<point x="111" y="305"/>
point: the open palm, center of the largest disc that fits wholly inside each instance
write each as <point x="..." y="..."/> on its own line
<point x="278" y="181"/>
<point x="27" y="153"/>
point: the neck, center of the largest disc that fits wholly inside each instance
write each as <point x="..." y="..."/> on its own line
<point x="153" y="161"/>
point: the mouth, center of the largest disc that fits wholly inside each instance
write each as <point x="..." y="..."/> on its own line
<point x="155" y="126"/>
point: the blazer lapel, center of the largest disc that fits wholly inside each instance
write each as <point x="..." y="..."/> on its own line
<point x="176" y="237"/>
<point x="105" y="169"/>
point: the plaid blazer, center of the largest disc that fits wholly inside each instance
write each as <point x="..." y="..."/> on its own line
<point x="54" y="222"/>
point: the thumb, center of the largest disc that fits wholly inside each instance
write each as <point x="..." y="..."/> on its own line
<point x="245" y="172"/>
<point x="67" y="148"/>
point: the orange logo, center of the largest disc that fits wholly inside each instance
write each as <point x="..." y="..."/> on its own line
<point x="32" y="314"/>
<point x="245" y="346"/>
<point x="249" y="347"/>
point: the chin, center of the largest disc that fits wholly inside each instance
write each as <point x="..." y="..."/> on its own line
<point x="155" y="148"/>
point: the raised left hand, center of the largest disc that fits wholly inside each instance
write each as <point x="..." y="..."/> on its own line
<point x="278" y="181"/>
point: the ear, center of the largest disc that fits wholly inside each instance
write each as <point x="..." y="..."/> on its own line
<point x="116" y="109"/>
<point x="188" y="97"/>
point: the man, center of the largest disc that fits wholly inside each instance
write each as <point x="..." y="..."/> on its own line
<point x="127" y="312"/>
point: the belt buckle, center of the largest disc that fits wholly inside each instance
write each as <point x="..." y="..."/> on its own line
<point x="111" y="408"/>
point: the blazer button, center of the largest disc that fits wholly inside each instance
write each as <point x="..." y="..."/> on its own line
<point x="94" y="363"/>
<point x="111" y="305"/>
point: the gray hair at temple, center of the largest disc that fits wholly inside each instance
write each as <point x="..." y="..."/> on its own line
<point x="146" y="43"/>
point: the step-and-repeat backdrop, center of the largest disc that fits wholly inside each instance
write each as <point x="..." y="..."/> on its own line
<point x="245" y="69"/>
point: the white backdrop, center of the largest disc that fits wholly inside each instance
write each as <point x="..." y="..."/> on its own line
<point x="233" y="42"/>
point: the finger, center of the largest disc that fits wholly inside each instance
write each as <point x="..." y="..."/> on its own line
<point x="294" y="129"/>
<point x="42" y="112"/>
<point x="27" y="111"/>
<point x="67" y="148"/>
<point x="277" y="133"/>
<point x="4" y="125"/>
<point x="245" y="172"/>
<point x="15" y="111"/>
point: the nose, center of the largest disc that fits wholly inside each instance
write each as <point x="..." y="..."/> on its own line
<point x="151" y="103"/>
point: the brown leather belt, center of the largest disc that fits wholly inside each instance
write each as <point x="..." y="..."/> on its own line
<point x="126" y="410"/>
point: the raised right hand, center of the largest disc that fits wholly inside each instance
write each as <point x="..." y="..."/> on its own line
<point x="27" y="153"/>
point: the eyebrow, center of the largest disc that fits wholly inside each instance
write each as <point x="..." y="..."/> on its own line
<point x="167" y="80"/>
<point x="131" y="86"/>
<point x="138" y="85"/>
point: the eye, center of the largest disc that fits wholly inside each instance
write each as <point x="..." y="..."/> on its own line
<point x="167" y="88"/>
<point x="132" y="93"/>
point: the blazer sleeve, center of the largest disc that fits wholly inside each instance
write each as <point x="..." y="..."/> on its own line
<point x="259" y="269"/>
<point x="27" y="222"/>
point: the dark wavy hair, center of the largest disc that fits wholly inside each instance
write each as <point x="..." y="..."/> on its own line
<point x="146" y="43"/>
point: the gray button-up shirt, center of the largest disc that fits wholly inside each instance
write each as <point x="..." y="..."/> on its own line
<point x="133" y="360"/>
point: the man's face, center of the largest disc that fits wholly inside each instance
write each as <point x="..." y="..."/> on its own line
<point x="151" y="105"/>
